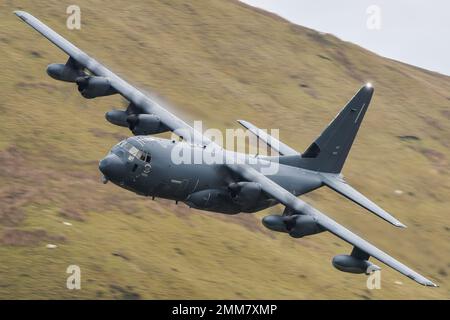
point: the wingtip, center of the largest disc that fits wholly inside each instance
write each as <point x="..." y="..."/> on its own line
<point x="400" y="225"/>
<point x="244" y="123"/>
<point x="431" y="284"/>
<point x="423" y="281"/>
<point x="21" y="14"/>
<point x="389" y="218"/>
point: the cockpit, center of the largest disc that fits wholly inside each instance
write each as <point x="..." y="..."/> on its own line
<point x="127" y="159"/>
<point x="135" y="152"/>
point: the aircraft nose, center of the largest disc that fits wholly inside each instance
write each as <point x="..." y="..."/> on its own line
<point x="112" y="167"/>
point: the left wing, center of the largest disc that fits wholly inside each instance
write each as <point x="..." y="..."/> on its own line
<point x="301" y="207"/>
<point x="140" y="101"/>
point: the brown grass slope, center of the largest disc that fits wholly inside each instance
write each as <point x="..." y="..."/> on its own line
<point x="216" y="61"/>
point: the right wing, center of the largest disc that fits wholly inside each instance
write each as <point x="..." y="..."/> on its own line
<point x="290" y="201"/>
<point x="277" y="145"/>
<point x="140" y="101"/>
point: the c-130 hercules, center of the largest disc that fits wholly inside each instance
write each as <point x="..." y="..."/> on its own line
<point x="144" y="164"/>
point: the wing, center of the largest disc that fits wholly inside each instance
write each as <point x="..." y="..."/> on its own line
<point x="290" y="201"/>
<point x="143" y="103"/>
<point x="277" y="145"/>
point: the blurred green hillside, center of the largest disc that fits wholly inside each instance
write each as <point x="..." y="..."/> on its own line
<point x="215" y="60"/>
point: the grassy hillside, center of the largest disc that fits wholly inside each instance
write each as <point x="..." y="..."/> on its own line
<point x="218" y="61"/>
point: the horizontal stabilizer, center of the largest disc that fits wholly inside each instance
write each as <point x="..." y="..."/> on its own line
<point x="272" y="142"/>
<point x="339" y="185"/>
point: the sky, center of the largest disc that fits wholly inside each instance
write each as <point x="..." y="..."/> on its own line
<point x="416" y="32"/>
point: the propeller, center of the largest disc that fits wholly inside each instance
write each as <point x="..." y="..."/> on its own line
<point x="82" y="83"/>
<point x="133" y="121"/>
<point x="289" y="222"/>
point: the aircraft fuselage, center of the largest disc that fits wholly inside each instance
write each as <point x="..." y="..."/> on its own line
<point x="154" y="167"/>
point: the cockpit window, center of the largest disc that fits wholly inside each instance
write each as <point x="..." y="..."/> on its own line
<point x="139" y="154"/>
<point x="135" y="152"/>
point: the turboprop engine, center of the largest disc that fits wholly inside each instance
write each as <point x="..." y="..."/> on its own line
<point x="117" y="117"/>
<point x="64" y="72"/>
<point x="143" y="124"/>
<point x="296" y="225"/>
<point x="93" y="87"/>
<point x="139" y="124"/>
<point x="217" y="200"/>
<point x="351" y="264"/>
<point x="245" y="194"/>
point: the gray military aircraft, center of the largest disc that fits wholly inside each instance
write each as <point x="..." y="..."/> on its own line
<point x="145" y="164"/>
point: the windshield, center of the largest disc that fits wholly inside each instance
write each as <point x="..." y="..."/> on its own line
<point x="135" y="152"/>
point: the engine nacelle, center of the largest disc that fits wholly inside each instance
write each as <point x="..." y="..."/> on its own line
<point x="144" y="124"/>
<point x="303" y="225"/>
<point x="245" y="194"/>
<point x="296" y="225"/>
<point x="275" y="222"/>
<point x="64" y="72"/>
<point x="350" y="264"/>
<point x="117" y="117"/>
<point x="93" y="87"/>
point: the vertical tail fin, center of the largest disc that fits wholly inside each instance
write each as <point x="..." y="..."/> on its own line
<point x="329" y="151"/>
